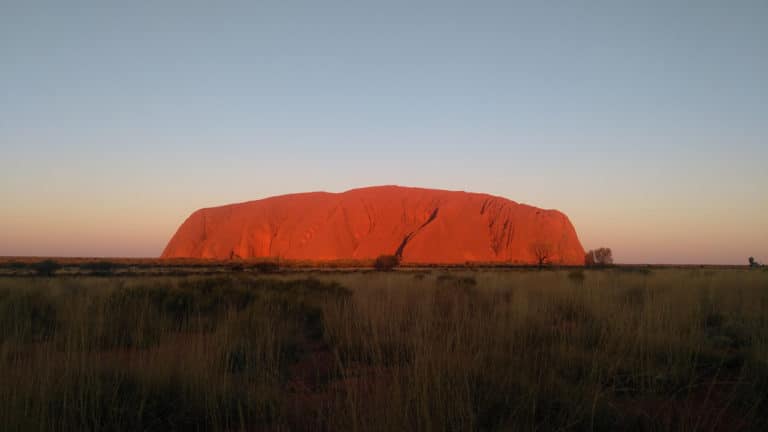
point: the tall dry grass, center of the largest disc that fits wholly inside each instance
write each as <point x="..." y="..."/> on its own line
<point x="675" y="349"/>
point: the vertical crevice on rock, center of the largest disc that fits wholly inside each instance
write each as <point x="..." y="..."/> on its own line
<point x="399" y="251"/>
<point x="409" y="236"/>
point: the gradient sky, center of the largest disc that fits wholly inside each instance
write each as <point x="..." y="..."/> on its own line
<point x="646" y="122"/>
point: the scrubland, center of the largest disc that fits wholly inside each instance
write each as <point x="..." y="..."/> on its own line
<point x="433" y="350"/>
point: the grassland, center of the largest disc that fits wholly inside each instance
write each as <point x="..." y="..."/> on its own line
<point x="435" y="349"/>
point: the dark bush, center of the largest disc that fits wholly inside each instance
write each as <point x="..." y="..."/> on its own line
<point x="46" y="267"/>
<point x="267" y="266"/>
<point x="102" y="268"/>
<point x="386" y="262"/>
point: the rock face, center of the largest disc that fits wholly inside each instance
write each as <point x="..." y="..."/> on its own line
<point x="420" y="225"/>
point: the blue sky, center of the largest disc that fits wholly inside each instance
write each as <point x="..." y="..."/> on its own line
<point x="645" y="122"/>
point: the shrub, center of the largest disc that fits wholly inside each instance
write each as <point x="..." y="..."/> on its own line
<point x="46" y="267"/>
<point x="267" y="266"/>
<point x="101" y="268"/>
<point x="386" y="262"/>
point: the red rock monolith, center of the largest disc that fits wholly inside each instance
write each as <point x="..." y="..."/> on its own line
<point x="426" y="226"/>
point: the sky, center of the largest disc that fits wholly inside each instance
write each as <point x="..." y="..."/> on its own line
<point x="646" y="122"/>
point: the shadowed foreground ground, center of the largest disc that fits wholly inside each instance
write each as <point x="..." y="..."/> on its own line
<point x="662" y="349"/>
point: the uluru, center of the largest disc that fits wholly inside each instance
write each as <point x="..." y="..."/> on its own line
<point x="421" y="226"/>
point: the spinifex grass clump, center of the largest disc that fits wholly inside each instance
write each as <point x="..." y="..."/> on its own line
<point x="448" y="350"/>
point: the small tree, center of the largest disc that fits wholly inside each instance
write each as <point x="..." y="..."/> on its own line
<point x="542" y="252"/>
<point x="604" y="256"/>
<point x="386" y="262"/>
<point x="599" y="257"/>
<point x="753" y="263"/>
<point x="589" y="258"/>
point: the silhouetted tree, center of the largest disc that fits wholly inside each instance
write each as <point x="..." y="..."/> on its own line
<point x="604" y="256"/>
<point x="589" y="258"/>
<point x="753" y="263"/>
<point x="542" y="252"/>
<point x="598" y="257"/>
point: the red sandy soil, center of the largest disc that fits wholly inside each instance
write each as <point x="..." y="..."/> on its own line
<point x="423" y="226"/>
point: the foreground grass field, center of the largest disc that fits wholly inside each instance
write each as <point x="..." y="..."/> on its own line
<point x="661" y="349"/>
